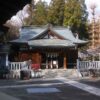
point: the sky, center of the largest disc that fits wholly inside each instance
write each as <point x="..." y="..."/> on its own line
<point x="97" y="3"/>
<point x="88" y="3"/>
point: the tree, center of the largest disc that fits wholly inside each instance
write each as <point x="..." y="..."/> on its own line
<point x="56" y="12"/>
<point x="75" y="16"/>
<point x="40" y="13"/>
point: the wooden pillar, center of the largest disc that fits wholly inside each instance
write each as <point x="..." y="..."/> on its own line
<point x="56" y="64"/>
<point x="51" y="65"/>
<point x="6" y="59"/>
<point x="46" y="63"/>
<point x="65" y="62"/>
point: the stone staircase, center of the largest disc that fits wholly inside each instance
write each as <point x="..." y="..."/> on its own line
<point x="56" y="73"/>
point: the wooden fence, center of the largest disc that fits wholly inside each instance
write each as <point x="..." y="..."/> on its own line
<point x="88" y="68"/>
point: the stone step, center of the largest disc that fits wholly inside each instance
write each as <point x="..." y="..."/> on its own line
<point x="53" y="73"/>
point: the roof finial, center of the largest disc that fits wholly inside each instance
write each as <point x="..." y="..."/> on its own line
<point x="77" y="36"/>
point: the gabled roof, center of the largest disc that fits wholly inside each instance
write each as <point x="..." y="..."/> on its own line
<point x="33" y="33"/>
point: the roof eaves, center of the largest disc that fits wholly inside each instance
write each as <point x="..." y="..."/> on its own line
<point x="18" y="41"/>
<point x="51" y="43"/>
<point x="78" y="41"/>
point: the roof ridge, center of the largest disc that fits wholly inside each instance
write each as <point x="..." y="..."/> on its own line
<point x="34" y="26"/>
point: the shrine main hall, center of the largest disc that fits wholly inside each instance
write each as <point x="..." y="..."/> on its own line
<point x="48" y="47"/>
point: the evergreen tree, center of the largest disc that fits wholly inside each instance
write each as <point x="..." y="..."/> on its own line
<point x="40" y="13"/>
<point x="75" y="16"/>
<point x="56" y="12"/>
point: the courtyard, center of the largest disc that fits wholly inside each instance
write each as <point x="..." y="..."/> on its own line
<point x="51" y="89"/>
